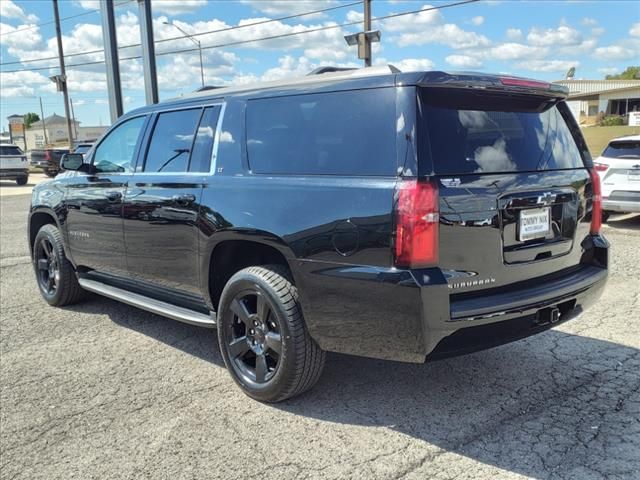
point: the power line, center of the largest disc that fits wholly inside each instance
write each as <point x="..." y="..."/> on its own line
<point x="226" y="29"/>
<point x="242" y="42"/>
<point x="51" y="22"/>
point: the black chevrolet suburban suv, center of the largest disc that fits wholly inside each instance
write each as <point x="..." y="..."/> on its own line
<point x="399" y="216"/>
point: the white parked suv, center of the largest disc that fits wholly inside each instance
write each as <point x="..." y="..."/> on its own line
<point x="13" y="164"/>
<point x="619" y="170"/>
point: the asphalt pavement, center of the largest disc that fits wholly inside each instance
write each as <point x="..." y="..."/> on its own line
<point x="102" y="390"/>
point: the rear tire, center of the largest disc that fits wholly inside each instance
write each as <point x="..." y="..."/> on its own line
<point x="22" y="180"/>
<point x="51" y="173"/>
<point x="56" y="276"/>
<point x="263" y="337"/>
<point x="605" y="216"/>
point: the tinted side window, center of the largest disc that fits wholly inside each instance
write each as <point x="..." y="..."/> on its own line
<point x="171" y="141"/>
<point x="203" y="144"/>
<point x="9" y="150"/>
<point x="115" y="152"/>
<point x="338" y="133"/>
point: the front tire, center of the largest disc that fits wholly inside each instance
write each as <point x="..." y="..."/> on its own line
<point x="51" y="173"/>
<point x="263" y="338"/>
<point x="56" y="276"/>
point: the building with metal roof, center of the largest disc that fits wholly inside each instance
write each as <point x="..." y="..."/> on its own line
<point x="587" y="98"/>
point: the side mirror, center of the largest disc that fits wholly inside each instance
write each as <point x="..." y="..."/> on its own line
<point x="72" y="161"/>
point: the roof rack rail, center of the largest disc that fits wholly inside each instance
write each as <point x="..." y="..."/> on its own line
<point x="329" y="69"/>
<point x="208" y="87"/>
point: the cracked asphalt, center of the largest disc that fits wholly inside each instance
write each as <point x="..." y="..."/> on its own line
<point x="101" y="390"/>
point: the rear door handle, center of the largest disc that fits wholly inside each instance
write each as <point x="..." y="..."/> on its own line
<point x="114" y="196"/>
<point x="184" y="199"/>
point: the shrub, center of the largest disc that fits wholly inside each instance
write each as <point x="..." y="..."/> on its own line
<point x="612" y="121"/>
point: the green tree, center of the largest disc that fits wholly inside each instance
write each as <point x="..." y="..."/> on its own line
<point x="630" y="73"/>
<point x="30" y="118"/>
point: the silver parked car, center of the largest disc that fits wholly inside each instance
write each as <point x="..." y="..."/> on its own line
<point x="13" y="163"/>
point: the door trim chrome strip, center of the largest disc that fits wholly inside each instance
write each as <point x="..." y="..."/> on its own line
<point x="152" y="305"/>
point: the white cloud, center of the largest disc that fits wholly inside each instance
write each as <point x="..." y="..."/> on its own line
<point x="426" y="27"/>
<point x="8" y="9"/>
<point x="414" y="64"/>
<point x="597" y="31"/>
<point x="278" y="8"/>
<point x="20" y="84"/>
<point x="355" y="16"/>
<point x="516" y="51"/>
<point x="589" y="22"/>
<point x="548" y="65"/>
<point x="609" y="70"/>
<point x="614" y="52"/>
<point x="479" y="20"/>
<point x="514" y="34"/>
<point x="176" y="7"/>
<point x="563" y="35"/>
<point x="463" y="61"/>
<point x="634" y="31"/>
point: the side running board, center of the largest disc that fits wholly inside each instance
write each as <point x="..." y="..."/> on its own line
<point x="150" y="304"/>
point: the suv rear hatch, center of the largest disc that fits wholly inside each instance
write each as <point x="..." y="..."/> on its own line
<point x="512" y="182"/>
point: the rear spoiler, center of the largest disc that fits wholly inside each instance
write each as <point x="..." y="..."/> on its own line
<point x="507" y="84"/>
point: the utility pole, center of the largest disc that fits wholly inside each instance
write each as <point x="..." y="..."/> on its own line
<point x="73" y="116"/>
<point x="148" y="52"/>
<point x="44" y="126"/>
<point x="197" y="42"/>
<point x="63" y="73"/>
<point x="367" y="27"/>
<point x="364" y="39"/>
<point x="111" y="59"/>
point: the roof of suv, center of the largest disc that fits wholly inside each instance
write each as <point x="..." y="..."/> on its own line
<point x="379" y="76"/>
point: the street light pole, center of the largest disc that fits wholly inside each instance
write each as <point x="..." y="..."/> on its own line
<point x="197" y="42"/>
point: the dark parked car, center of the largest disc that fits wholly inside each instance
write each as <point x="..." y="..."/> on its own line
<point x="48" y="160"/>
<point x="82" y="148"/>
<point x="400" y="216"/>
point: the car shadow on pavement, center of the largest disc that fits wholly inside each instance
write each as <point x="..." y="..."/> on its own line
<point x="628" y="222"/>
<point x="554" y="405"/>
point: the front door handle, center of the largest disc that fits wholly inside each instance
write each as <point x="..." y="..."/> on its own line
<point x="114" y="196"/>
<point x="184" y="199"/>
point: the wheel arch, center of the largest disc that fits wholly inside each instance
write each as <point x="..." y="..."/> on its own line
<point x="40" y="217"/>
<point x="234" y="250"/>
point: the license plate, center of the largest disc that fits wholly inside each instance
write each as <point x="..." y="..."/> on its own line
<point x="634" y="175"/>
<point x="534" y="223"/>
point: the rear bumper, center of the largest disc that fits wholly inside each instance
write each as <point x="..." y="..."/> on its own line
<point x="621" y="206"/>
<point x="411" y="316"/>
<point x="14" y="173"/>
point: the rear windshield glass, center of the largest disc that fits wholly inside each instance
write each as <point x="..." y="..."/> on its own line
<point x="10" y="151"/>
<point x="630" y="150"/>
<point x="497" y="136"/>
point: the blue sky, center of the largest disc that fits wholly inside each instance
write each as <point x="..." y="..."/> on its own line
<point x="539" y="39"/>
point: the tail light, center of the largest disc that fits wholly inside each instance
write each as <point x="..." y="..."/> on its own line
<point x="523" y="82"/>
<point x="417" y="218"/>
<point x="600" y="167"/>
<point x="596" y="203"/>
<point x="47" y="155"/>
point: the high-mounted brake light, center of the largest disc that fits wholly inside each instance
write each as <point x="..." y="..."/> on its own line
<point x="596" y="203"/>
<point x="417" y="218"/>
<point x="521" y="82"/>
<point x="600" y="167"/>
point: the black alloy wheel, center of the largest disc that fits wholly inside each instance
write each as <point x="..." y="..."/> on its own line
<point x="47" y="266"/>
<point x="263" y="337"/>
<point x="254" y="343"/>
<point x="56" y="276"/>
